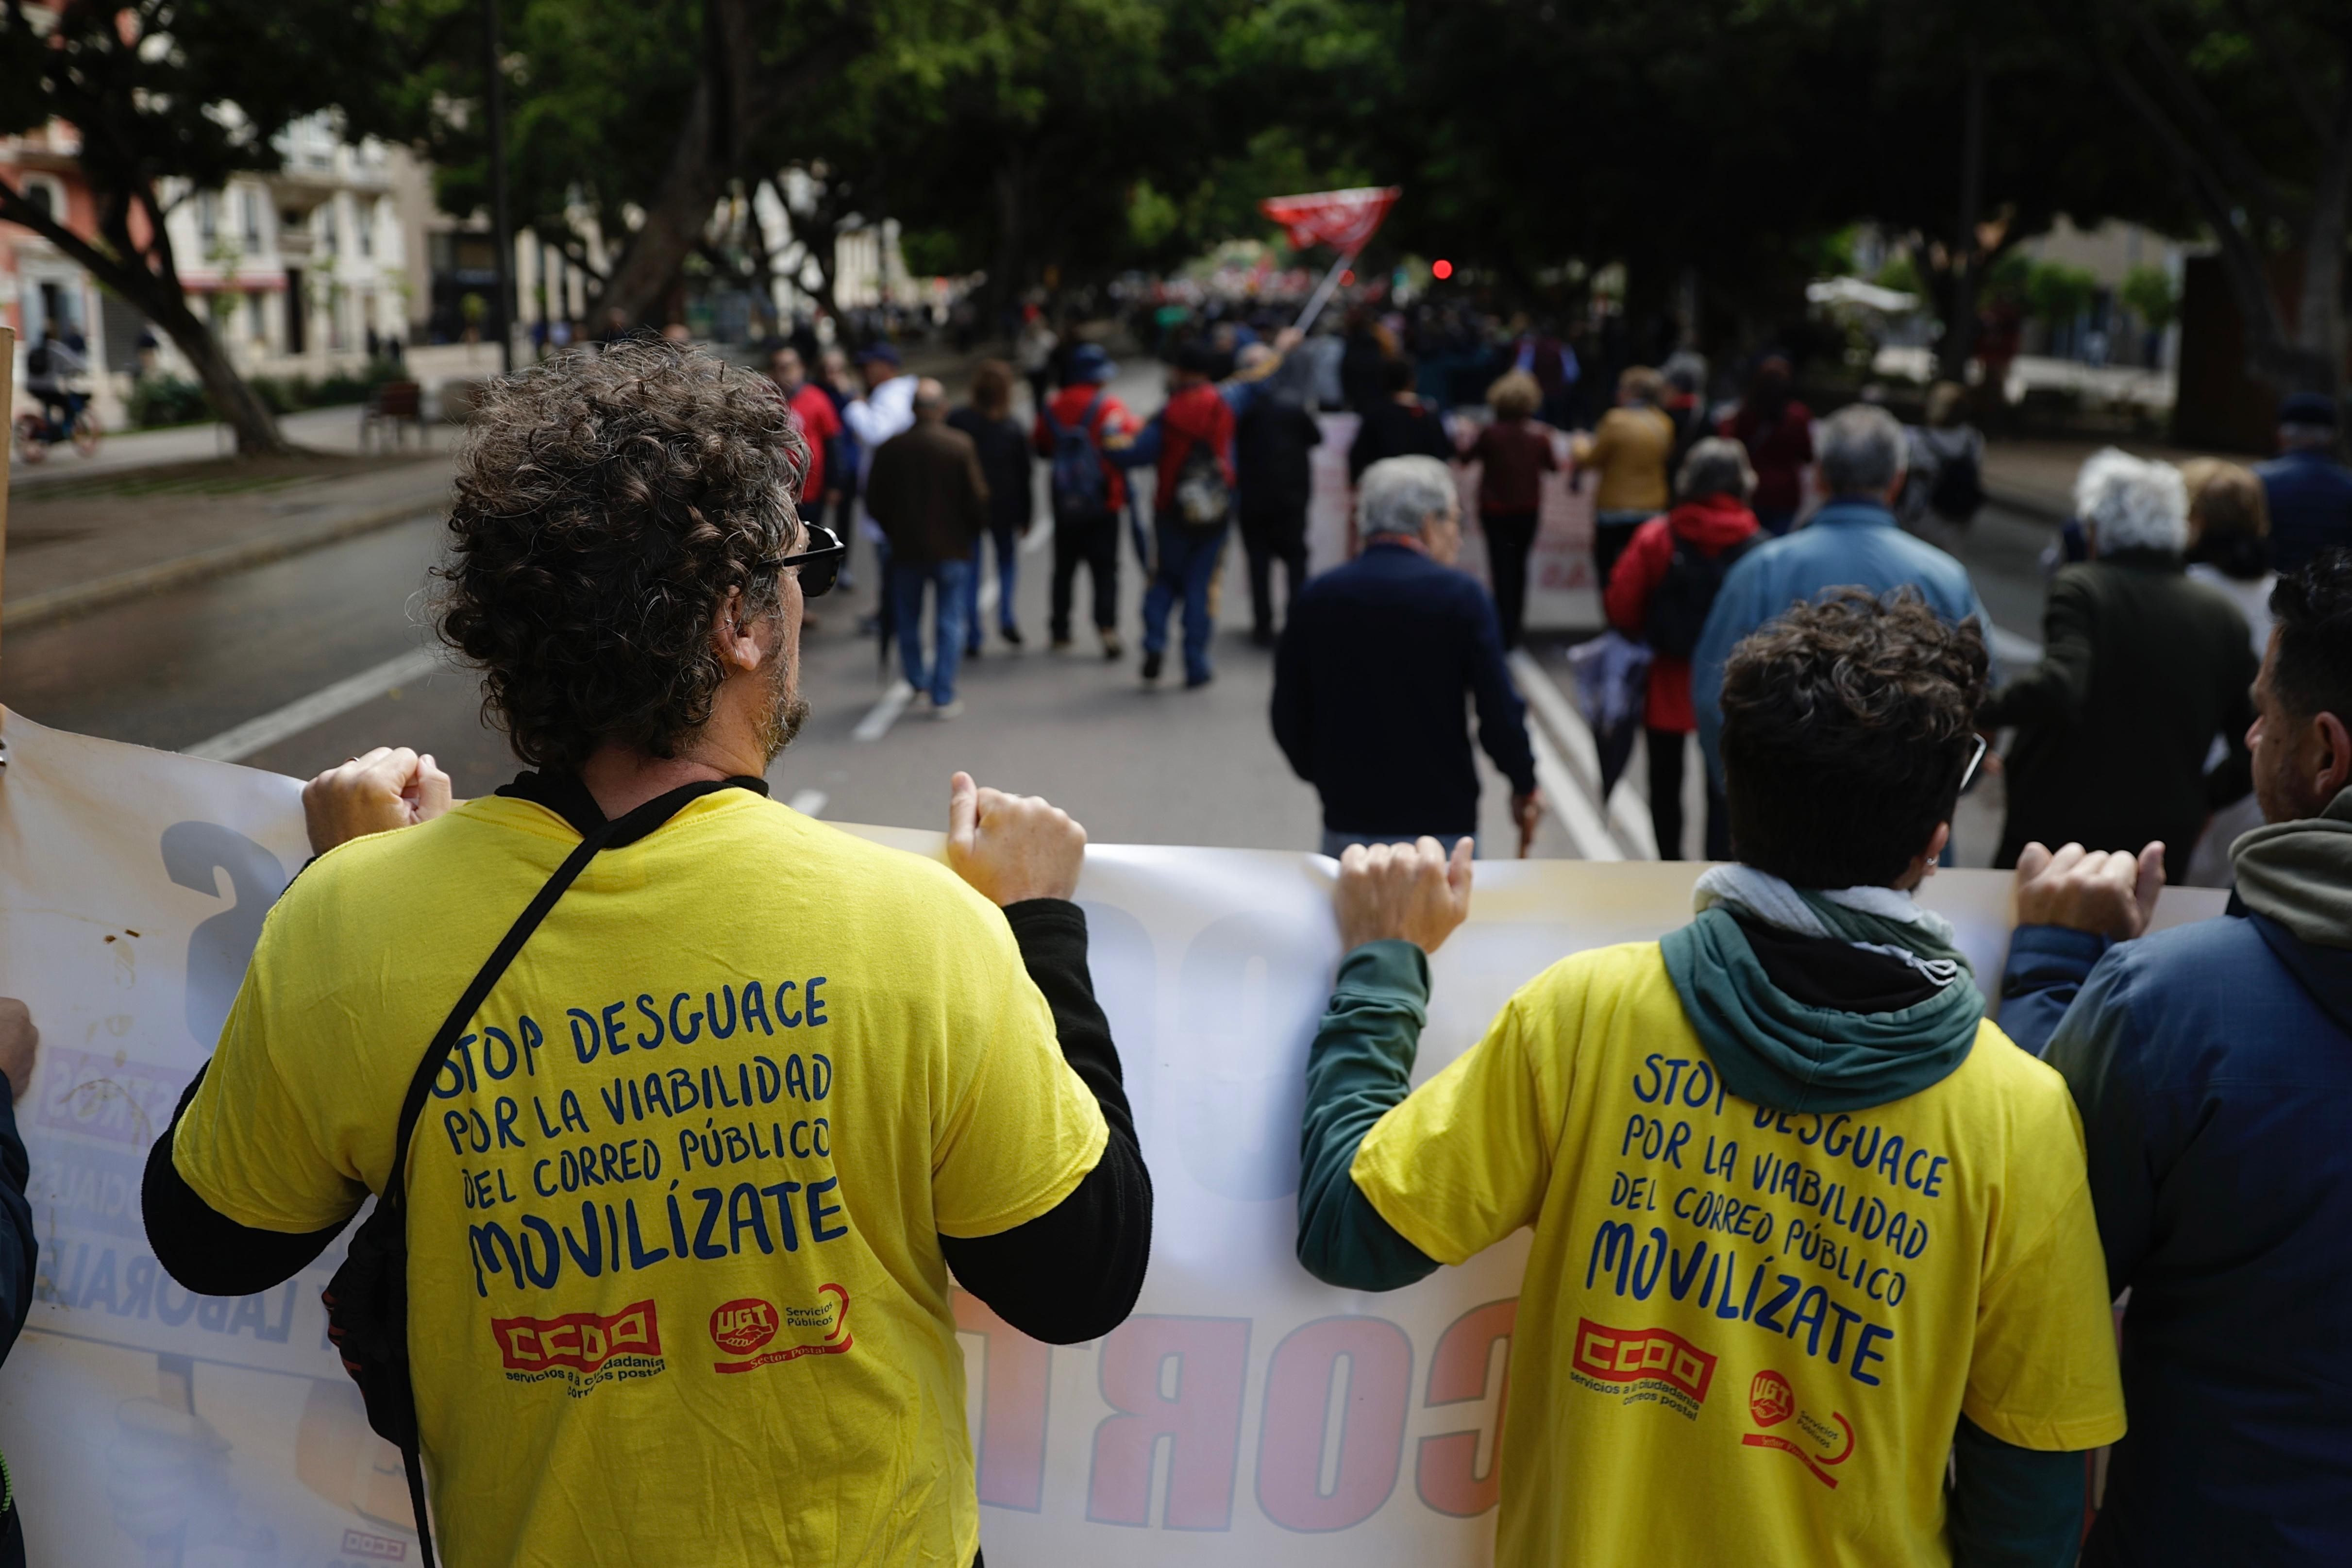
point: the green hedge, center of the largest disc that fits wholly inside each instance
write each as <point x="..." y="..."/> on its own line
<point x="160" y="399"/>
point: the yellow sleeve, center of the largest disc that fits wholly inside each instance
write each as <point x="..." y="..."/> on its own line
<point x="1463" y="1159"/>
<point x="1025" y="1130"/>
<point x="2043" y="1371"/>
<point x="249" y="1144"/>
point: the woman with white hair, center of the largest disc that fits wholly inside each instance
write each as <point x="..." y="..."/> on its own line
<point x="2143" y="669"/>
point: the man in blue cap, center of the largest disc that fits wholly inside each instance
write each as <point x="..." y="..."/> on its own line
<point x="2307" y="486"/>
<point x="1077" y="428"/>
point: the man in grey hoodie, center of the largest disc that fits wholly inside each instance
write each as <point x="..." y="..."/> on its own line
<point x="2213" y="1066"/>
<point x="1804" y="1222"/>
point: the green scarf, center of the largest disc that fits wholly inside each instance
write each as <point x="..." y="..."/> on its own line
<point x="1785" y="1056"/>
<point x="2300" y="874"/>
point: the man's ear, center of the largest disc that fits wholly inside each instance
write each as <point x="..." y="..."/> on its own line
<point x="2335" y="757"/>
<point x="733" y="636"/>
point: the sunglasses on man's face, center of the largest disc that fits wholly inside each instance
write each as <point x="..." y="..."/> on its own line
<point x="1968" y="774"/>
<point x="820" y="565"/>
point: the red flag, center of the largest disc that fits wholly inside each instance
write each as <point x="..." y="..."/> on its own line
<point x="1342" y="219"/>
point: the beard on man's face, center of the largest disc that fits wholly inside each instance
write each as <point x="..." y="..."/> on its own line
<point x="787" y="709"/>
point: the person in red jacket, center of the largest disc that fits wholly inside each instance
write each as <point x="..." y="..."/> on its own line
<point x="1660" y="593"/>
<point x="1191" y="513"/>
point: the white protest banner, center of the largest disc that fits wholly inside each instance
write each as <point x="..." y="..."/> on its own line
<point x="1562" y="594"/>
<point x="1244" y="1414"/>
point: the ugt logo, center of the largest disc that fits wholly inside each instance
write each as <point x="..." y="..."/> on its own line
<point x="1771" y="1400"/>
<point x="743" y="1326"/>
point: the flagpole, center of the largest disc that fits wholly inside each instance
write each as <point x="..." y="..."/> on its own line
<point x="1317" y="300"/>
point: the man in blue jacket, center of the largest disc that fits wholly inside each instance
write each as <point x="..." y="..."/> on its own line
<point x="1853" y="541"/>
<point x="1374" y="662"/>
<point x="2308" y="487"/>
<point x="2213" y="1064"/>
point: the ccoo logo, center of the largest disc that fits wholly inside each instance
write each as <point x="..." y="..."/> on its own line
<point x="743" y="1326"/>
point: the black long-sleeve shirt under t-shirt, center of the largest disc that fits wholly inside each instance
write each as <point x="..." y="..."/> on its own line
<point x="1071" y="1274"/>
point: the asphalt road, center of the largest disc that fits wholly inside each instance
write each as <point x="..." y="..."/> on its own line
<point x="1137" y="764"/>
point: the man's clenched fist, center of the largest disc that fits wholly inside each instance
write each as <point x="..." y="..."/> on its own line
<point x="1012" y="847"/>
<point x="389" y="787"/>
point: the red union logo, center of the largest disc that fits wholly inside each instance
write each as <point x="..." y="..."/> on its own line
<point x="1628" y="1355"/>
<point x="741" y="1327"/>
<point x="581" y="1340"/>
<point x="1770" y="1399"/>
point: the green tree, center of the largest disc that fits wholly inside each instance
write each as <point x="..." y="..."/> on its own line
<point x="2148" y="293"/>
<point x="2250" y="103"/>
<point x="170" y="98"/>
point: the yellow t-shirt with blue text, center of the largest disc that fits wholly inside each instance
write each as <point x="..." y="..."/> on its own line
<point x="1743" y="1335"/>
<point x="676" y="1288"/>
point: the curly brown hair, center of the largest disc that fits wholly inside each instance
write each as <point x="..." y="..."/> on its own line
<point x="606" y="505"/>
<point x="1846" y="724"/>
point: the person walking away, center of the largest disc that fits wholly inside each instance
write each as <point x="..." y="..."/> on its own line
<point x="1629" y="450"/>
<point x="1852" y="541"/>
<point x="1777" y="432"/>
<point x="1034" y="349"/>
<point x="2142" y="671"/>
<point x="20" y="1246"/>
<point x="2229" y="552"/>
<point x="916" y="1077"/>
<point x="1078" y="428"/>
<point x="1397" y="424"/>
<point x="1513" y="454"/>
<point x="2212" y="1066"/>
<point x="886" y="408"/>
<point x="1272" y="439"/>
<point x="1192" y="510"/>
<point x="1945" y="486"/>
<point x="821" y="427"/>
<point x="1660" y="595"/>
<point x="926" y="493"/>
<point x="1814" y="1015"/>
<point x="2308" y="487"/>
<point x="1374" y="667"/>
<point x="1010" y="471"/>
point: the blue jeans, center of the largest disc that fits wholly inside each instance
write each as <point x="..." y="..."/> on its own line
<point x="1008" y="578"/>
<point x="1334" y="841"/>
<point x="1188" y="560"/>
<point x="952" y="581"/>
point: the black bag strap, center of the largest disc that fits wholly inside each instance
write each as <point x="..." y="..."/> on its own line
<point x="613" y="834"/>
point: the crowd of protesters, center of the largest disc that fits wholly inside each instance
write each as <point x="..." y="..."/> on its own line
<point x="2158" y="1117"/>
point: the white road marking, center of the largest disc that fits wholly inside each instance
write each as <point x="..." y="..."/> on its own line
<point x="1626" y="825"/>
<point x="257" y="734"/>
<point x="810" y="802"/>
<point x="1567" y="799"/>
<point x="885" y="713"/>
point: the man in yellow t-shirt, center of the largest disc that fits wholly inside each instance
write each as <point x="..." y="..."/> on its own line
<point x="684" y="1200"/>
<point x="1804" y="1221"/>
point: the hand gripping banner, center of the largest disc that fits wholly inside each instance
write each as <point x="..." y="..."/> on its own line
<point x="1245" y="1414"/>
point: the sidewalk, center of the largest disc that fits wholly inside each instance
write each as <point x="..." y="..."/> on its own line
<point x="2038" y="476"/>
<point x="319" y="429"/>
<point x="109" y="536"/>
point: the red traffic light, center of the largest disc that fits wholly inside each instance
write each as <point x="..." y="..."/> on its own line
<point x="1441" y="269"/>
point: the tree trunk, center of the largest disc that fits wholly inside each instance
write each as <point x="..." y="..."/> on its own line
<point x="732" y="102"/>
<point x="1007" y="267"/>
<point x="156" y="291"/>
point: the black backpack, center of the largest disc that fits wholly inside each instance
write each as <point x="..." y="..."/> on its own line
<point x="1679" y="604"/>
<point x="1959" y="489"/>
<point x="36" y="363"/>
